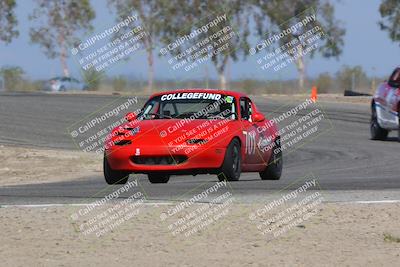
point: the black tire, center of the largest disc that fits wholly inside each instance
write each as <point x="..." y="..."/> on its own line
<point x="232" y="165"/>
<point x="158" y="178"/>
<point x="273" y="170"/>
<point x="113" y="176"/>
<point x="377" y="132"/>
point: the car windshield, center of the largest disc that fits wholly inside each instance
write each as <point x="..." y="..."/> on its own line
<point x="192" y="105"/>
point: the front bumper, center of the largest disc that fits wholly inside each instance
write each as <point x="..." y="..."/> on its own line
<point x="184" y="159"/>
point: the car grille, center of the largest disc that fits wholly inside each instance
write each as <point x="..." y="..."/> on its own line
<point x="159" y="160"/>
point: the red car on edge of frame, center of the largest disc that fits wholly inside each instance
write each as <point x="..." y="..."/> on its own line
<point x="385" y="108"/>
<point x="194" y="131"/>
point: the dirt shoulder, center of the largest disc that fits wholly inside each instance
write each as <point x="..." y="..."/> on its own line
<point x="338" y="235"/>
<point x="20" y="165"/>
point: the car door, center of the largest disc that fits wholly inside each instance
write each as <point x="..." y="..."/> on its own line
<point x="252" y="154"/>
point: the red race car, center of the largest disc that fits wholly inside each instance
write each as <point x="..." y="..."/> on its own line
<point x="194" y="131"/>
<point x="385" y="108"/>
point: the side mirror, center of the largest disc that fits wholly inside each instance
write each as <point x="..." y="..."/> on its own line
<point x="130" y="116"/>
<point x="258" y="117"/>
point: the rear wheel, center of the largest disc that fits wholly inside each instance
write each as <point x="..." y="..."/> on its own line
<point x="273" y="171"/>
<point x="158" y="178"/>
<point x="377" y="133"/>
<point x="231" y="167"/>
<point x="114" y="176"/>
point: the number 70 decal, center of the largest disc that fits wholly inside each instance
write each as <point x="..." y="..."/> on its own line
<point x="250" y="142"/>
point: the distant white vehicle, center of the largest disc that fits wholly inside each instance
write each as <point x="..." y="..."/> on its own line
<point x="62" y="84"/>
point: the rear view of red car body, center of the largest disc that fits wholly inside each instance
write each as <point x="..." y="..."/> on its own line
<point x="194" y="131"/>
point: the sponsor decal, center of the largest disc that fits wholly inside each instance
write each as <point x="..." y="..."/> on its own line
<point x="229" y="99"/>
<point x="190" y="96"/>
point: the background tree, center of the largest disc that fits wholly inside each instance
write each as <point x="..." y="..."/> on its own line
<point x="119" y="83"/>
<point x="193" y="14"/>
<point x="390" y="13"/>
<point x="324" y="83"/>
<point x="272" y="17"/>
<point x="58" y="24"/>
<point x="93" y="78"/>
<point x="8" y="21"/>
<point x="12" y="77"/>
<point x="153" y="16"/>
<point x="351" y="77"/>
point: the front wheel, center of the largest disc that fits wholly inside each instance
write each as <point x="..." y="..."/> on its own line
<point x="231" y="167"/>
<point x="273" y="171"/>
<point x="114" y="176"/>
<point x="377" y="133"/>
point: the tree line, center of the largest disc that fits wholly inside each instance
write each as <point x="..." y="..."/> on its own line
<point x="57" y="25"/>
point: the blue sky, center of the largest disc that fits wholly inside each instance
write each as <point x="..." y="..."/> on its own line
<point x="365" y="45"/>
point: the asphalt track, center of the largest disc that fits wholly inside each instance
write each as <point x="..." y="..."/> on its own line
<point x="345" y="162"/>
